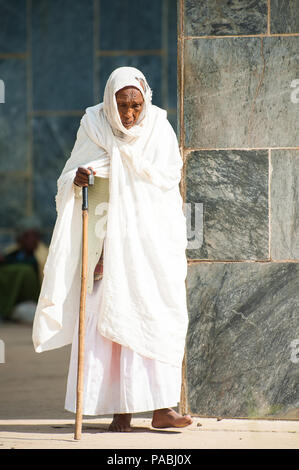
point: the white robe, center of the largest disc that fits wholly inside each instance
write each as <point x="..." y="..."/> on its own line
<point x="143" y="306"/>
<point x="116" y="378"/>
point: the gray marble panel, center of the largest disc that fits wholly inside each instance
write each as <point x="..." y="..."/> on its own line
<point x="14" y="197"/>
<point x="241" y="351"/>
<point x="214" y="18"/>
<point x="13" y="116"/>
<point x="62" y="54"/>
<point x="150" y="66"/>
<point x="53" y="140"/>
<point x="13" y="26"/>
<point x="128" y="25"/>
<point x="241" y="92"/>
<point x="284" y="16"/>
<point x="232" y="186"/>
<point x="284" y="204"/>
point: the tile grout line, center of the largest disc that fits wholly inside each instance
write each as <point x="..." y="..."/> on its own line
<point x="180" y="65"/>
<point x="14" y="55"/>
<point x="16" y="174"/>
<point x="96" y="90"/>
<point x="229" y="36"/>
<point x="189" y="150"/>
<point x="29" y="208"/>
<point x="132" y="52"/>
<point x="184" y="403"/>
<point x="181" y="74"/>
<point x="99" y="46"/>
<point x="57" y="112"/>
<point x="164" y="28"/>
<point x="239" y="261"/>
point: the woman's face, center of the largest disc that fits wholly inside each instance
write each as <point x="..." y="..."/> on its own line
<point x="130" y="104"/>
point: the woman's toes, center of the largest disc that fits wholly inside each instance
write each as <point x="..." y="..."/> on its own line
<point x="120" y="423"/>
<point x="167" y="417"/>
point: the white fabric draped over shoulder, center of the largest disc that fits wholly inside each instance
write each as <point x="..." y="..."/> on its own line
<point x="143" y="305"/>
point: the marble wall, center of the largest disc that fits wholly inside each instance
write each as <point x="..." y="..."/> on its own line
<point x="55" y="58"/>
<point x="239" y="136"/>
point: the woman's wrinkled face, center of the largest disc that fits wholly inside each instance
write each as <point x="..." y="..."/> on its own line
<point x="130" y="104"/>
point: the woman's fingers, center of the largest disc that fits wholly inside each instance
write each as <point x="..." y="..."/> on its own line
<point x="81" y="178"/>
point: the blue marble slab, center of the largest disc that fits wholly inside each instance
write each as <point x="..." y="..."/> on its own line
<point x="150" y="66"/>
<point x="232" y="186"/>
<point x="241" y="359"/>
<point x="284" y="186"/>
<point x="241" y="92"/>
<point x="53" y="140"/>
<point x="13" y="26"/>
<point x="62" y="54"/>
<point x="130" y="25"/>
<point x="214" y="18"/>
<point x="284" y="16"/>
<point x="13" y="116"/>
<point x="14" y="198"/>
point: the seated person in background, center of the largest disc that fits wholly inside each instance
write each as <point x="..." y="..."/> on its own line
<point x="21" y="268"/>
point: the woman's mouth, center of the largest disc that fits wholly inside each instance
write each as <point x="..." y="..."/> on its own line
<point x="128" y="123"/>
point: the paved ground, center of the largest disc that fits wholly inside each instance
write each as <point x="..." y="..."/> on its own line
<point x="32" y="412"/>
<point x="210" y="434"/>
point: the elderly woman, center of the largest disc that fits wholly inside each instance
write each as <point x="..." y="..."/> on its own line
<point x="136" y="311"/>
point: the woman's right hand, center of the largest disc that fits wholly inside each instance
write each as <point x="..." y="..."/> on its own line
<point x="81" y="178"/>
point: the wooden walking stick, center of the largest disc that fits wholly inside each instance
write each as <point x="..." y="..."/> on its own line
<point x="81" y="332"/>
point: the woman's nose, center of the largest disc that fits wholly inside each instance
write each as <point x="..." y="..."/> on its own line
<point x="129" y="112"/>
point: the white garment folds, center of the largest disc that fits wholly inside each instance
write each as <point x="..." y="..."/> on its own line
<point x="143" y="306"/>
<point x="116" y="378"/>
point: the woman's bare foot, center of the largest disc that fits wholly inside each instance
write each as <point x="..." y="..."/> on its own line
<point x="168" y="418"/>
<point x="121" y="423"/>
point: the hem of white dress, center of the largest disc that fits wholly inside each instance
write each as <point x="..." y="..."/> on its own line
<point x="114" y="411"/>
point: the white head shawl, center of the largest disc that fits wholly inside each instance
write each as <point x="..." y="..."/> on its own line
<point x="149" y="147"/>
<point x="120" y="78"/>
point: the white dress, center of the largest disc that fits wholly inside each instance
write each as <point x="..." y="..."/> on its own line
<point x="117" y="379"/>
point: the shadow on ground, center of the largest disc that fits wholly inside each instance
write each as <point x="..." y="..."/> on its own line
<point x="69" y="428"/>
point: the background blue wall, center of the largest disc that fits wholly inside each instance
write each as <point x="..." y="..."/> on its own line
<point x="55" y="58"/>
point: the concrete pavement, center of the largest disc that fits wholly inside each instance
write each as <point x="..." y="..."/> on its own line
<point x="204" y="433"/>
